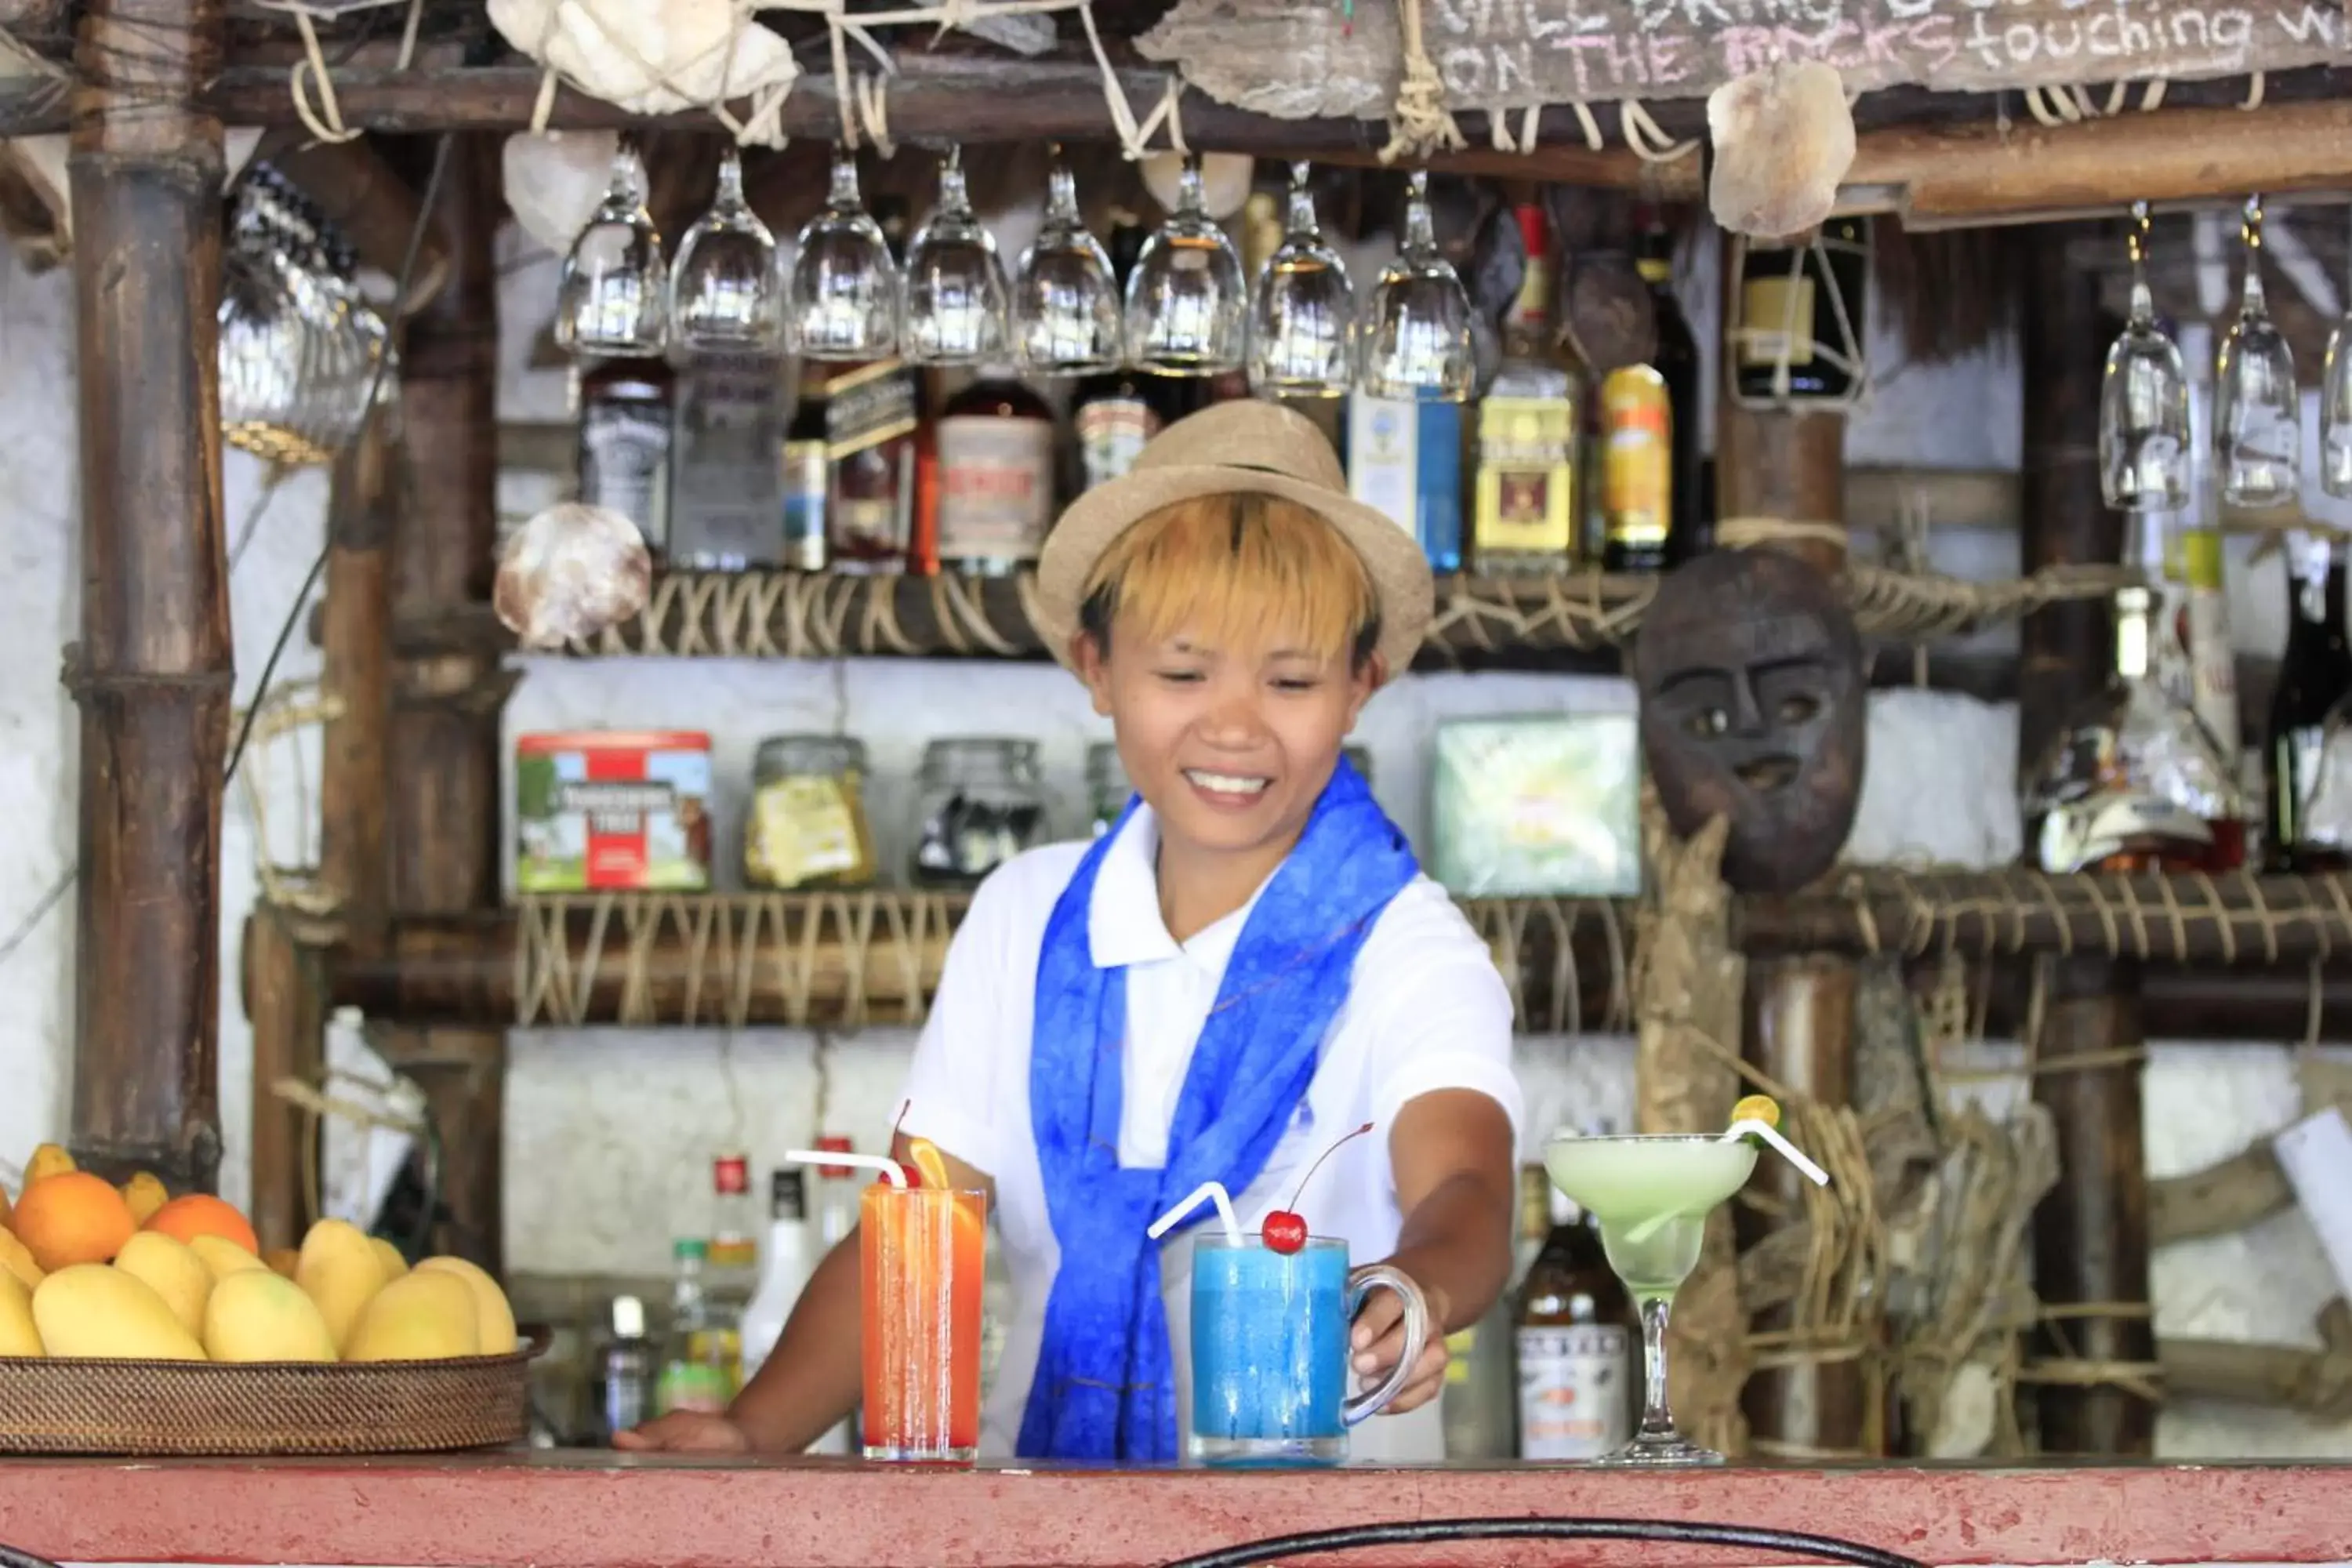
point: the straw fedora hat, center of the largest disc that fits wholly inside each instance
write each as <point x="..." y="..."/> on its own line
<point x="1248" y="446"/>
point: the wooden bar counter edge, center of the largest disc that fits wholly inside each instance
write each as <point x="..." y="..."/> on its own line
<point x="595" y="1510"/>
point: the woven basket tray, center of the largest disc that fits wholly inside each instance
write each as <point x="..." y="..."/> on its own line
<point x="71" y="1405"/>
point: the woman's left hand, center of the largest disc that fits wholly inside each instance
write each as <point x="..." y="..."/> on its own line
<point x="1377" y="1341"/>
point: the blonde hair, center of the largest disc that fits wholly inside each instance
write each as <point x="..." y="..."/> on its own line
<point x="1239" y="569"/>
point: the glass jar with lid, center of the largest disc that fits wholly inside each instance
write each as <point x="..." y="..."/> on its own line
<point x="807" y="826"/>
<point x="978" y="801"/>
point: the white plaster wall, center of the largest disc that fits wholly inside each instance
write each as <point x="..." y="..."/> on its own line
<point x="610" y="1131"/>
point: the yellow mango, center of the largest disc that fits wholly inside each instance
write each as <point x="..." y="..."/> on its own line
<point x="145" y="1194"/>
<point x="426" y="1315"/>
<point x="257" y="1315"/>
<point x="172" y="1271"/>
<point x="93" y="1310"/>
<point x="16" y="1262"/>
<point x="17" y="1334"/>
<point x="47" y="1160"/>
<point x="4" y="1204"/>
<point x="340" y="1272"/>
<point x="493" y="1319"/>
<point x="223" y="1257"/>
<point x="394" y="1265"/>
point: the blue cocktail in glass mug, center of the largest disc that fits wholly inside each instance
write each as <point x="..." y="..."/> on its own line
<point x="1270" y="1349"/>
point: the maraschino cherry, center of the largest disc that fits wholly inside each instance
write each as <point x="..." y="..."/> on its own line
<point x="1284" y="1231"/>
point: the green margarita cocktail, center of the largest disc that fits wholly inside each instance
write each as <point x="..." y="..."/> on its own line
<point x="1651" y="1196"/>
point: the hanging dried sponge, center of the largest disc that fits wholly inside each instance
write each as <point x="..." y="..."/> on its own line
<point x="1783" y="140"/>
<point x="569" y="572"/>
<point x="650" y="56"/>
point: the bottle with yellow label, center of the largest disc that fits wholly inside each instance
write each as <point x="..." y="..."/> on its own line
<point x="1525" y="510"/>
<point x="1637" y="425"/>
<point x="1802" y="303"/>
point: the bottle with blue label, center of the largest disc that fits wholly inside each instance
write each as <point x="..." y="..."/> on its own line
<point x="1406" y="459"/>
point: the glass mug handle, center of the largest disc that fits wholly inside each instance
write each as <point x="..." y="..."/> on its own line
<point x="1385" y="1276"/>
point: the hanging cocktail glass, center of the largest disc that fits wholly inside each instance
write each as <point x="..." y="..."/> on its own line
<point x="2144" y="458"/>
<point x="2336" y="403"/>
<point x="2257" y="409"/>
<point x="1413" y="345"/>
<point x="613" y="297"/>
<point x="723" y="291"/>
<point x="843" y="300"/>
<point x="1302" y="318"/>
<point x="1187" y="300"/>
<point x="1066" y="303"/>
<point x="955" y="285"/>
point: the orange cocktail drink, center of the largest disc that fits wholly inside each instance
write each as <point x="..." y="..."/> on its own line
<point x="922" y="1251"/>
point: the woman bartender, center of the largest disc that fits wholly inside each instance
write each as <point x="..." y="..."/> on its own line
<point x="1246" y="968"/>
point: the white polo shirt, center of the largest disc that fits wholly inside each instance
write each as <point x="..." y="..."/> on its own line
<point x="1425" y="1011"/>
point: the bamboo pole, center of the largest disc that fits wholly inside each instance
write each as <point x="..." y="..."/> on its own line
<point x="355" y="642"/>
<point x="2091" y="1232"/>
<point x="285" y="997"/>
<point x="152" y="673"/>
<point x="442" y="815"/>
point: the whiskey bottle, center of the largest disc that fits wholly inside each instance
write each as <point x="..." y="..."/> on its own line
<point x="871" y="413"/>
<point x="1690" y="528"/>
<point x="1805" y="304"/>
<point x="2313" y="676"/>
<point x="1405" y="458"/>
<point x="1526" y="518"/>
<point x="1576" y="1334"/>
<point x="625" y="431"/>
<point x="726" y="494"/>
<point x="996" y="476"/>
<point x="806" y="479"/>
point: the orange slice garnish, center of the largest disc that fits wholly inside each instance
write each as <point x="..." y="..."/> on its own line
<point x="925" y="1156"/>
<point x="1757" y="1107"/>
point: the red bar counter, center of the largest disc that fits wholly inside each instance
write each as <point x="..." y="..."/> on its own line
<point x="592" y="1510"/>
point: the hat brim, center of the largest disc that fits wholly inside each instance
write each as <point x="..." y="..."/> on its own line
<point x="1392" y="558"/>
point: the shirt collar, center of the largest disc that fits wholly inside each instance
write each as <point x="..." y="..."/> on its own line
<point x="1123" y="923"/>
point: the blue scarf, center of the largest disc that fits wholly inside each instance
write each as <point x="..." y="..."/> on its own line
<point x="1105" y="1386"/>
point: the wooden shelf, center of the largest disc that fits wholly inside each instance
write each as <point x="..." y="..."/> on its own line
<point x="735" y="958"/>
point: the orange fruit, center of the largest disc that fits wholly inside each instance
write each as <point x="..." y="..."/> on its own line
<point x="200" y="1214"/>
<point x="74" y="1217"/>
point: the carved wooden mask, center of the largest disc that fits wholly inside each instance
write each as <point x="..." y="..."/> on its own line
<point x="1753" y="708"/>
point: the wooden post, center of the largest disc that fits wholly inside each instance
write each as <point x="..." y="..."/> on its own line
<point x="2091" y="1234"/>
<point x="152" y="673"/>
<point x="286" y="999"/>
<point x="443" y="805"/>
<point x="1798" y="1020"/>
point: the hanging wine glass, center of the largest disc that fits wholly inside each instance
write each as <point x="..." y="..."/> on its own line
<point x="612" y="298"/>
<point x="844" y="300"/>
<point x="2144" y="436"/>
<point x="1303" y="317"/>
<point x="955" y="285"/>
<point x="723" y="295"/>
<point x="2336" y="408"/>
<point x="2257" y="410"/>
<point x="1066" y="304"/>
<point x="1414" y="343"/>
<point x="1187" y="301"/>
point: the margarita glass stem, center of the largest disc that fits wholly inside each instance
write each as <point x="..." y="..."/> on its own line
<point x="1657" y="1419"/>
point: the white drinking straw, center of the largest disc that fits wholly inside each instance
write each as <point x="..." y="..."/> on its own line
<point x="889" y="1168"/>
<point x="1766" y="1130"/>
<point x="1214" y="1192"/>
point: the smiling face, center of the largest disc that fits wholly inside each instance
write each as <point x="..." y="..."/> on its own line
<point x="1227" y="639"/>
<point x="1752" y="709"/>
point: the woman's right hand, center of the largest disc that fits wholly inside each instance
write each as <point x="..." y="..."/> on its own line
<point x="685" y="1431"/>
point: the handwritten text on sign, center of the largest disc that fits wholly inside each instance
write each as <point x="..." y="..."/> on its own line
<point x="1508" y="54"/>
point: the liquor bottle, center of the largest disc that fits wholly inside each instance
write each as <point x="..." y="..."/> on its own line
<point x="626" y="421"/>
<point x="806" y="479"/>
<point x="1576" y="1335"/>
<point x="1405" y="458"/>
<point x="1787" y="313"/>
<point x="1525" y="519"/>
<point x="625" y="1372"/>
<point x="2193" y="560"/>
<point x="726" y="496"/>
<point x="871" y="413"/>
<point x="1477" y="1409"/>
<point x="1690" y="528"/>
<point x="836" y="1216"/>
<point x="1114" y="412"/>
<point x="695" y="1374"/>
<point x="1637" y="433"/>
<point x="786" y="1264"/>
<point x="732" y="1261"/>
<point x="2313" y="676"/>
<point x="2133" y="781"/>
<point x="995" y="443"/>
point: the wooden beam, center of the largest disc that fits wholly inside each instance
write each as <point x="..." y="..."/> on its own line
<point x="2091" y="1232"/>
<point x="443" y="808"/>
<point x="357" y="187"/>
<point x="151" y="671"/>
<point x="285" y="999"/>
<point x="354" y="859"/>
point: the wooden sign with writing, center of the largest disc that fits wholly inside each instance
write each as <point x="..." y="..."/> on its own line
<point x="1300" y="58"/>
